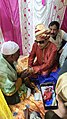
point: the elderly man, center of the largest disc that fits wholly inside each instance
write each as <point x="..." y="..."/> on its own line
<point x="9" y="82"/>
<point x="45" y="53"/>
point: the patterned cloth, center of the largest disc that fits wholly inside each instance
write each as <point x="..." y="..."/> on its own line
<point x="18" y="109"/>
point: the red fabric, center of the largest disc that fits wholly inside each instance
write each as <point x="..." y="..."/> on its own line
<point x="43" y="2"/>
<point x="46" y="61"/>
<point x="47" y="95"/>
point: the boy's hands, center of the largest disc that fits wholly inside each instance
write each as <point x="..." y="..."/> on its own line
<point x="27" y="72"/>
<point x="24" y="74"/>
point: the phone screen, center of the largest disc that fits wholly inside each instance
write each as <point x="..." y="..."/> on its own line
<point x="49" y="96"/>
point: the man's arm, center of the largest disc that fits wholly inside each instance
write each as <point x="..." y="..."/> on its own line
<point x="64" y="40"/>
<point x="64" y="35"/>
<point x="63" y="68"/>
<point x="6" y="85"/>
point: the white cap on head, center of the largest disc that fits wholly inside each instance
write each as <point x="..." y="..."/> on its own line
<point x="9" y="48"/>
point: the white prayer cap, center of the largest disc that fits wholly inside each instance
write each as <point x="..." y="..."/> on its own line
<point x="9" y="48"/>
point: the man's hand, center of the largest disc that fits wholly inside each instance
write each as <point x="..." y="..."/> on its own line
<point x="25" y="74"/>
<point x="30" y="70"/>
<point x="61" y="111"/>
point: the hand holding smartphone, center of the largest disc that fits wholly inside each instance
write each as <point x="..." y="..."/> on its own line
<point x="48" y="95"/>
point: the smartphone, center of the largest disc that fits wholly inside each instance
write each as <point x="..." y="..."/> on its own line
<point x="49" y="95"/>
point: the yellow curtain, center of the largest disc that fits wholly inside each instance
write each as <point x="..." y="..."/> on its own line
<point x="5" y="112"/>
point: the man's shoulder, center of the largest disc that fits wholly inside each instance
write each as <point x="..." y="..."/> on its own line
<point x="2" y="61"/>
<point x="62" y="32"/>
<point x="35" y="45"/>
<point x="53" y="45"/>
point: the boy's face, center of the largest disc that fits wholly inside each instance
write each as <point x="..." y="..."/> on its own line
<point x="41" y="41"/>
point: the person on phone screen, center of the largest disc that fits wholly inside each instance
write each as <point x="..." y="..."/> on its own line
<point x="48" y="96"/>
<point x="48" y="93"/>
<point x="61" y="96"/>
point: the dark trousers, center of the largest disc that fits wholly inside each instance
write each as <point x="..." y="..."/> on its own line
<point x="51" y="115"/>
<point x="14" y="99"/>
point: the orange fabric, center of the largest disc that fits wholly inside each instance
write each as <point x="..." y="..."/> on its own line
<point x="34" y="106"/>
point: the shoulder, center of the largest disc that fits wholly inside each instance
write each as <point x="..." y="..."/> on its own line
<point x="62" y="32"/>
<point x="35" y="45"/>
<point x="3" y="63"/>
<point x="52" y="45"/>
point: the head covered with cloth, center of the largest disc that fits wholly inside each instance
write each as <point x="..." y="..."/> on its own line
<point x="42" y="35"/>
<point x="9" y="48"/>
<point x="10" y="51"/>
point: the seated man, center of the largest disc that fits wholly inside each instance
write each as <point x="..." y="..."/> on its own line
<point x="45" y="53"/>
<point x="9" y="81"/>
<point x="57" y="35"/>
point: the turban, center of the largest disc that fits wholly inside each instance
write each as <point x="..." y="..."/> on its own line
<point x="9" y="48"/>
<point x="61" y="87"/>
<point x="41" y="30"/>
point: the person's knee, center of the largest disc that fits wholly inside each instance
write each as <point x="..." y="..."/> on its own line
<point x="49" y="114"/>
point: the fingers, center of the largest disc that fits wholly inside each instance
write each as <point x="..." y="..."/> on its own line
<point x="25" y="74"/>
<point x="30" y="70"/>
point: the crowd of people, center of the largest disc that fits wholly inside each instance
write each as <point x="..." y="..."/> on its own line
<point x="46" y="63"/>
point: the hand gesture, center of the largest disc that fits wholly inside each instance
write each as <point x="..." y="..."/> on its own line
<point x="25" y="74"/>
